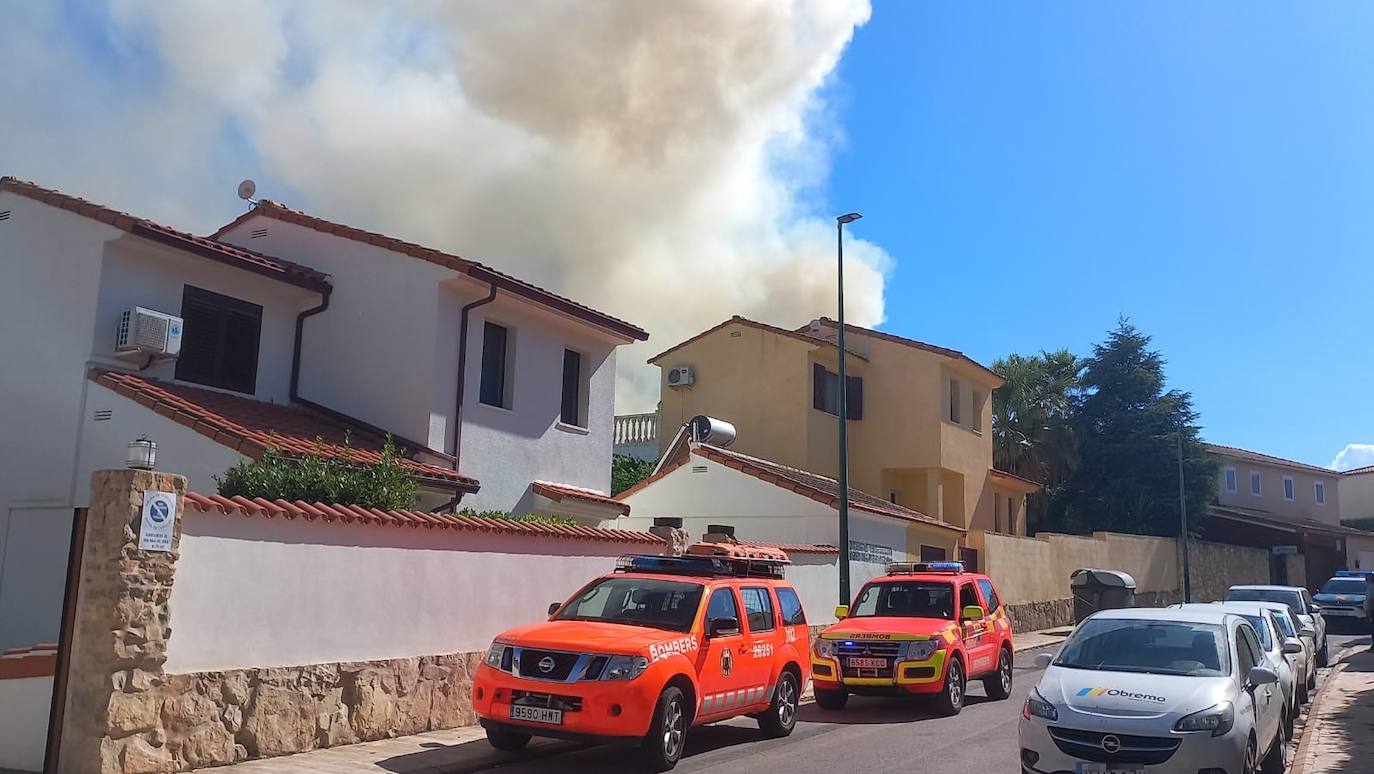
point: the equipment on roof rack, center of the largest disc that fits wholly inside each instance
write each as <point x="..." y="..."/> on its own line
<point x="713" y="561"/>
<point x="911" y="568"/>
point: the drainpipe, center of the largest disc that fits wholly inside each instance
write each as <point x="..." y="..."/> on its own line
<point x="296" y="351"/>
<point x="462" y="370"/>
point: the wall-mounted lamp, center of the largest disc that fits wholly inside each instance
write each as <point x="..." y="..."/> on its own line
<point x="142" y="454"/>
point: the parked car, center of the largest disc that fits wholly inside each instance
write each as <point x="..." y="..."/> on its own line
<point x="1304" y="663"/>
<point x="1278" y="649"/>
<point x="1342" y="599"/>
<point x="1298" y="600"/>
<point x="1156" y="690"/>
<point x="644" y="654"/>
<point x="921" y="629"/>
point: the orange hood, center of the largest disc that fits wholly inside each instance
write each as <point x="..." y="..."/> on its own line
<point x="883" y="628"/>
<point x="596" y="637"/>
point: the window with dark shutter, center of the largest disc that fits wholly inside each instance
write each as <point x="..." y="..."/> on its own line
<point x="854" y="397"/>
<point x="493" y="392"/>
<point x="219" y="341"/>
<point x="571" y="412"/>
<point x="825" y="392"/>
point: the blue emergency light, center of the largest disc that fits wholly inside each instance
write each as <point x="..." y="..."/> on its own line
<point x="701" y="566"/>
<point x="909" y="568"/>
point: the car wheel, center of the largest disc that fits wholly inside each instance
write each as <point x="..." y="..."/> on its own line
<point x="506" y="740"/>
<point x="1323" y="654"/>
<point x="998" y="684"/>
<point x="831" y="700"/>
<point x="1276" y="762"/>
<point x="667" y="737"/>
<point x="1250" y="766"/>
<point x="781" y="716"/>
<point x="1302" y="692"/>
<point x="951" y="698"/>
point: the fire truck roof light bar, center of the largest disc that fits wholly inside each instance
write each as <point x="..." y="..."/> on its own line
<point x="911" y="568"/>
<point x="702" y="566"/>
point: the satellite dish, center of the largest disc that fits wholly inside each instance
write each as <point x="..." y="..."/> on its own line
<point x="246" y="190"/>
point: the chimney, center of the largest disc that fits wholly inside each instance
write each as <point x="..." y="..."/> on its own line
<point x="675" y="538"/>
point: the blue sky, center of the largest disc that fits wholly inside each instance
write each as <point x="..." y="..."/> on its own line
<point x="1037" y="169"/>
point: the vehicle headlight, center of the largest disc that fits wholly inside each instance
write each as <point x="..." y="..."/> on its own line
<point x="920" y="650"/>
<point x="1218" y="719"/>
<point x="1036" y="706"/>
<point x="624" y="667"/>
<point x="496" y="653"/>
<point x="825" y="648"/>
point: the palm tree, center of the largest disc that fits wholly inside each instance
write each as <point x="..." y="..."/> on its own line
<point x="1031" y="421"/>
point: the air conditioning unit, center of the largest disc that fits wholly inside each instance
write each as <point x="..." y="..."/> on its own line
<point x="148" y="332"/>
<point x="681" y="376"/>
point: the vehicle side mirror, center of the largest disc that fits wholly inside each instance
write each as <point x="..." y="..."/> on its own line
<point x="553" y="607"/>
<point x="1307" y="631"/>
<point x="1263" y="676"/>
<point x="1317" y="609"/>
<point x="841" y="611"/>
<point x="723" y="627"/>
<point x="1043" y="660"/>
<point x="974" y="613"/>
<point x="1292" y="646"/>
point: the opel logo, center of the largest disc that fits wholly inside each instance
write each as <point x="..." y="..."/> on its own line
<point x="1111" y="745"/>
<point x="546" y="664"/>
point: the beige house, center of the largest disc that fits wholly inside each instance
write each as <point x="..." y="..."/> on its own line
<point x="1356" y="494"/>
<point x="919" y="414"/>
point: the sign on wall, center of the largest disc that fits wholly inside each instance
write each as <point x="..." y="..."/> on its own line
<point x="159" y="516"/>
<point x="869" y="552"/>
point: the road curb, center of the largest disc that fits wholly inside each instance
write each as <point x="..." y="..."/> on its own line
<point x="1306" y="747"/>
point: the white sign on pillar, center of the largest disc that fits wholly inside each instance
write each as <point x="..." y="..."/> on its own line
<point x="159" y="516"/>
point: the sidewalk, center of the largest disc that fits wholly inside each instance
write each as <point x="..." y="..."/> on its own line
<point x="460" y="750"/>
<point x="1340" y="727"/>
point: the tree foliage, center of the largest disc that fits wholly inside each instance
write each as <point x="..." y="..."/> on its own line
<point x="626" y="471"/>
<point x="323" y="477"/>
<point x="1127" y="430"/>
<point x="1032" y="422"/>
<point x="562" y="521"/>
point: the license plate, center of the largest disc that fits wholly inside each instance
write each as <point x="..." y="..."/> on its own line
<point x="1101" y="768"/>
<point x="536" y="714"/>
<point x="866" y="663"/>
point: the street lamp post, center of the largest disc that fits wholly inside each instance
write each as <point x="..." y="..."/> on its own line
<point x="1183" y="521"/>
<point x="843" y="412"/>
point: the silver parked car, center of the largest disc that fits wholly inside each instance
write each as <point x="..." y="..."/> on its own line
<point x="1298" y="599"/>
<point x="1156" y="690"/>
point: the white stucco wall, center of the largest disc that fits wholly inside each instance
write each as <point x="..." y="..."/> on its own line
<point x="24" y="707"/>
<point x="252" y="591"/>
<point x="34" y="543"/>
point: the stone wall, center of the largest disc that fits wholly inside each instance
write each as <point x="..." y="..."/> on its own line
<point x="1214" y="567"/>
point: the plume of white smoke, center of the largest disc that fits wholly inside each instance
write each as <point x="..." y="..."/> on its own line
<point x="1354" y="455"/>
<point x="654" y="160"/>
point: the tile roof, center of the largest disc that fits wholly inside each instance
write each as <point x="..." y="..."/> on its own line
<point x="559" y="492"/>
<point x="1012" y="478"/>
<point x="1266" y="459"/>
<point x="1263" y="517"/>
<point x="251" y="427"/>
<point x="795" y="548"/>
<point x="1359" y="471"/>
<point x="37" y="661"/>
<point x="276" y="268"/>
<point x="478" y="271"/>
<point x="946" y="351"/>
<point x="348" y="514"/>
<point x="800" y="335"/>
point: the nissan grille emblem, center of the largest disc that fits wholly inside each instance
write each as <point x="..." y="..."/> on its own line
<point x="546" y="666"/>
<point x="1111" y="745"/>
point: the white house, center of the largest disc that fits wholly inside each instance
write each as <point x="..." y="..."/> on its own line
<point x="293" y="329"/>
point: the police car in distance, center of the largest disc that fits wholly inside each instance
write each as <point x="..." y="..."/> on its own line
<point x="1342" y="598"/>
<point x="1140" y="691"/>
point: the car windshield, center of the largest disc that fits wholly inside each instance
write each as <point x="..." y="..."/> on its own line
<point x="1151" y="647"/>
<point x="657" y="604"/>
<point x="1291" y="598"/>
<point x="906" y="599"/>
<point x="1257" y="622"/>
<point x="1343" y="586"/>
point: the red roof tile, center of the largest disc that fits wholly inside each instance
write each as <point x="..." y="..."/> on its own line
<point x="1359" y="471"/>
<point x="276" y="268"/>
<point x="559" y="492"/>
<point x="892" y="337"/>
<point x="37" y="661"/>
<point x="1266" y="459"/>
<point x="478" y="271"/>
<point x="801" y="335"/>
<point x="251" y="427"/>
<point x="795" y="548"/>
<point x="348" y="514"/>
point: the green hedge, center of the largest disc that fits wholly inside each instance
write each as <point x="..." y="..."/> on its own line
<point x="319" y="477"/>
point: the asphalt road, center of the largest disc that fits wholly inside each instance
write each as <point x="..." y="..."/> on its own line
<point x="869" y="735"/>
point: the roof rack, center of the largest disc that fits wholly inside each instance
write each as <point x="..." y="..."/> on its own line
<point x="911" y="568"/>
<point x="705" y="566"/>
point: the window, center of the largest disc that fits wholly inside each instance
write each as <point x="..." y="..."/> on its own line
<point x="996" y="512"/>
<point x="1247" y="649"/>
<point x="573" y="409"/>
<point x="722" y="605"/>
<point x="1255" y="483"/>
<point x="1148" y="647"/>
<point x="906" y="599"/>
<point x="219" y="341"/>
<point x="1288" y="488"/>
<point x="932" y="554"/>
<point x="495" y="339"/>
<point x="989" y="594"/>
<point x="1011" y="515"/>
<point x="977" y="411"/>
<point x="825" y="392"/>
<point x="967" y="596"/>
<point x="658" y="603"/>
<point x="954" y="401"/>
<point x="1231" y="480"/>
<point x="1321" y="492"/>
<point x="758" y="608"/>
<point x="790" y="605"/>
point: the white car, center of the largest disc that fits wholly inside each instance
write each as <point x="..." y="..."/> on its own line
<point x="1279" y="649"/>
<point x="1298" y="600"/>
<point x="1146" y="691"/>
<point x="1304" y="663"/>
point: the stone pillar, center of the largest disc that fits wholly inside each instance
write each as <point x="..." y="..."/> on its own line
<point x="119" y="640"/>
<point x="675" y="538"/>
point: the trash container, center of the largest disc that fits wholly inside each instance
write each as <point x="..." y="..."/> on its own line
<point x="1095" y="590"/>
